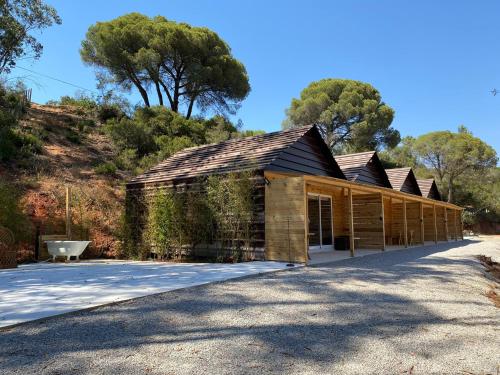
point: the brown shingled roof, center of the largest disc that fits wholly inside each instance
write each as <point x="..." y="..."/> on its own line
<point x="429" y="188"/>
<point x="363" y="167"/>
<point x="403" y="179"/>
<point x="250" y="153"/>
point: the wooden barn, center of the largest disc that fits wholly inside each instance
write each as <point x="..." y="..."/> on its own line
<point x="308" y="202"/>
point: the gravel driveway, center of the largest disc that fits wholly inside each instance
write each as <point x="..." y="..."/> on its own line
<point x="418" y="311"/>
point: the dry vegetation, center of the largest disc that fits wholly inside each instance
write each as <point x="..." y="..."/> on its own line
<point x="73" y="146"/>
<point x="493" y="269"/>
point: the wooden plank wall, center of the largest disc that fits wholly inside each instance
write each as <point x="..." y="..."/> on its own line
<point x="388" y="220"/>
<point x="413" y="223"/>
<point x="428" y="223"/>
<point x="441" y="231"/>
<point x="285" y="217"/>
<point x="368" y="224"/>
<point x="453" y="224"/>
<point x="397" y="226"/>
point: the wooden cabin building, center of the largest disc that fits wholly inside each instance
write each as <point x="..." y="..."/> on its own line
<point x="309" y="201"/>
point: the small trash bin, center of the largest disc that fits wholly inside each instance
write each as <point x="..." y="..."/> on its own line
<point x="341" y="243"/>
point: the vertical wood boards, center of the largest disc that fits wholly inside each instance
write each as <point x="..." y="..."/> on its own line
<point x="382" y="215"/>
<point x="368" y="221"/>
<point x="351" y="221"/>
<point x="285" y="218"/>
<point x="405" y="223"/>
<point x="413" y="224"/>
<point x="422" y="227"/>
<point x="429" y="229"/>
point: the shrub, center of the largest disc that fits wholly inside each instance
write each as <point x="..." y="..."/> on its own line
<point x="73" y="136"/>
<point x="109" y="111"/>
<point x="83" y="125"/>
<point x="108" y="169"/>
<point x="11" y="215"/>
<point x="82" y="101"/>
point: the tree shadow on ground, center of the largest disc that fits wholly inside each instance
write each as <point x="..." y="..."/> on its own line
<point x="272" y="322"/>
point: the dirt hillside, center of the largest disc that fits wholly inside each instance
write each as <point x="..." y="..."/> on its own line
<point x="73" y="144"/>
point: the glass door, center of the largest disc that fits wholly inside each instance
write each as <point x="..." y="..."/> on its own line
<point x="319" y="208"/>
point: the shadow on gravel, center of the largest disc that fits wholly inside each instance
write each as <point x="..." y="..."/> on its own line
<point x="300" y="315"/>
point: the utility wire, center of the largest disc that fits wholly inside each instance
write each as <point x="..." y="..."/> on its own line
<point x="55" y="79"/>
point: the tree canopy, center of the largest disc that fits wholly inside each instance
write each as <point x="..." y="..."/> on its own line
<point x="182" y="64"/>
<point x="449" y="155"/>
<point x="351" y="113"/>
<point x="18" y="19"/>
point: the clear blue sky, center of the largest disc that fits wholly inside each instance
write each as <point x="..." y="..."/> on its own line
<point x="434" y="62"/>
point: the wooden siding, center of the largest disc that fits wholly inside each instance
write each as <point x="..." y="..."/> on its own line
<point x="285" y="218"/>
<point x="368" y="223"/>
<point x="428" y="223"/>
<point x="441" y="225"/>
<point x="413" y="223"/>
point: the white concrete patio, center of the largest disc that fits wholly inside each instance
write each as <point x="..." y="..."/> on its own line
<point x="36" y="291"/>
<point x="337" y="255"/>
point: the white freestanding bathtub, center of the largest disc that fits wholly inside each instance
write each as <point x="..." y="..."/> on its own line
<point x="66" y="248"/>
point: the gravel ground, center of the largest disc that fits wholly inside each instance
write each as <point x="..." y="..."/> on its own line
<point x="418" y="311"/>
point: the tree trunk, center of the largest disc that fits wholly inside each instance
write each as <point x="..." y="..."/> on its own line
<point x="190" y="108"/>
<point x="450" y="189"/>
<point x="158" y="91"/>
<point x="144" y="95"/>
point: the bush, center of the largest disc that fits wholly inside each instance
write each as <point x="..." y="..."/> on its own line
<point x="11" y="215"/>
<point x="73" y="136"/>
<point x="109" y="111"/>
<point x="108" y="169"/>
<point x="82" y="101"/>
<point x="216" y="213"/>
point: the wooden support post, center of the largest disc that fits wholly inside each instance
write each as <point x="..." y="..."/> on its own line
<point x="405" y="224"/>
<point x="435" y="224"/>
<point x="382" y="217"/>
<point x="351" y="221"/>
<point x="391" y="221"/>
<point x="68" y="212"/>
<point x="461" y="225"/>
<point x="446" y="223"/>
<point x="422" y="238"/>
<point x="455" y="224"/>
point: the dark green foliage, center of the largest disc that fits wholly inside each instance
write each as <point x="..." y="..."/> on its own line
<point x="108" y="168"/>
<point x="183" y="64"/>
<point x="215" y="214"/>
<point x="109" y="111"/>
<point x="73" y="136"/>
<point x="351" y="113"/>
<point x="18" y="21"/>
<point x="14" y="142"/>
<point x="11" y="215"/>
<point x="155" y="133"/>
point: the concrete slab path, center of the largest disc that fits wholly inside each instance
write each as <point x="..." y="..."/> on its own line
<point x="36" y="291"/>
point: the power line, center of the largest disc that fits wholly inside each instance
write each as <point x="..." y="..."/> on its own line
<point x="55" y="79"/>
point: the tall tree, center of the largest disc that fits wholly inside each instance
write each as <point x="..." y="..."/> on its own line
<point x="186" y="65"/>
<point x="351" y="113"/>
<point x="18" y="20"/>
<point x="451" y="155"/>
